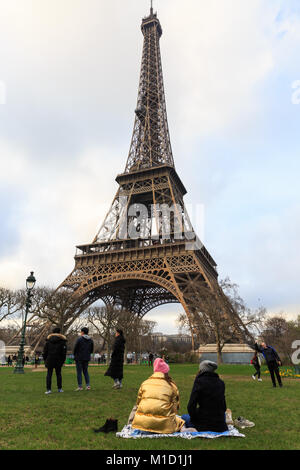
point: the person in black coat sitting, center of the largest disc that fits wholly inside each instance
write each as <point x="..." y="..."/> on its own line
<point x="83" y="349"/>
<point x="54" y="355"/>
<point x="115" y="370"/>
<point x="207" y="404"/>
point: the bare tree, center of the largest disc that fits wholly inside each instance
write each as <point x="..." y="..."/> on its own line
<point x="222" y="316"/>
<point x="56" y="307"/>
<point x="9" y="303"/>
<point x="104" y="321"/>
<point x="281" y="334"/>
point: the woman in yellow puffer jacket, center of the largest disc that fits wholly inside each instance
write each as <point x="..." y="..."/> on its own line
<point x="158" y="403"/>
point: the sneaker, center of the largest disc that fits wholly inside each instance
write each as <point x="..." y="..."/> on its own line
<point x="253" y="377"/>
<point x="116" y="385"/>
<point x="79" y="389"/>
<point x="243" y="423"/>
<point x="60" y="390"/>
<point x="259" y="380"/>
<point x="48" y="392"/>
<point x="88" y="387"/>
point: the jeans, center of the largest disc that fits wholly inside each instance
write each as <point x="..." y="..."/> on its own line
<point x="58" y="377"/>
<point x="82" y="367"/>
<point x="188" y="422"/>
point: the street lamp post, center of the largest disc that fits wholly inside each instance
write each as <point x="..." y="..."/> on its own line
<point x="30" y="282"/>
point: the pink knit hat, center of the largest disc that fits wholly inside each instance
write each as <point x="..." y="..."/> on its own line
<point x="160" y="366"/>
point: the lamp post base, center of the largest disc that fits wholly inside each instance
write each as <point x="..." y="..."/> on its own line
<point x="19" y="370"/>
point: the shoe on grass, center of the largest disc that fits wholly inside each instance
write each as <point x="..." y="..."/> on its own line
<point x="243" y="423"/>
<point x="253" y="377"/>
<point x="48" y="392"/>
<point x="79" y="389"/>
<point x="60" y="390"/>
<point x="88" y="387"/>
<point x="259" y="380"/>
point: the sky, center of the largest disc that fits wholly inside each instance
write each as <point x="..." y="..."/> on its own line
<point x="69" y="73"/>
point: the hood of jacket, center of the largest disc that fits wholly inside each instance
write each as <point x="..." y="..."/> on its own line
<point x="55" y="337"/>
<point x="87" y="337"/>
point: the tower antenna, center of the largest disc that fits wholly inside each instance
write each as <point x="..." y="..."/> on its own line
<point x="151" y="9"/>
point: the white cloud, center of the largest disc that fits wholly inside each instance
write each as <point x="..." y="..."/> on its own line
<point x="71" y="73"/>
<point x="224" y="52"/>
<point x="63" y="208"/>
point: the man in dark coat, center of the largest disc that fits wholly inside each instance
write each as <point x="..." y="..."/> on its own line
<point x="207" y="404"/>
<point x="272" y="361"/>
<point x="115" y="370"/>
<point x="83" y="349"/>
<point x="54" y="355"/>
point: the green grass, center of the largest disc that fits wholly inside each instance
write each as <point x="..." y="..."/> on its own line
<point x="29" y="419"/>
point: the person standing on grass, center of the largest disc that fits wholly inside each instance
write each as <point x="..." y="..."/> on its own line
<point x="150" y="359"/>
<point x="272" y="360"/>
<point x="83" y="349"/>
<point x="255" y="361"/>
<point x="36" y="361"/>
<point x="97" y="358"/>
<point x="54" y="354"/>
<point x="115" y="370"/>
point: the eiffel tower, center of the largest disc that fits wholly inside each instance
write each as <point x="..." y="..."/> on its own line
<point x="146" y="252"/>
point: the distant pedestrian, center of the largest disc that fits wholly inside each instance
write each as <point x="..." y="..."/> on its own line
<point x="54" y="355"/>
<point x="272" y="360"/>
<point x="83" y="349"/>
<point x="97" y="358"/>
<point x="255" y="361"/>
<point x="115" y="370"/>
<point x="150" y="359"/>
<point x="36" y="361"/>
<point x="9" y="361"/>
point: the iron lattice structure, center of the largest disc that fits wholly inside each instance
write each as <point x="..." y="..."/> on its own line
<point x="164" y="261"/>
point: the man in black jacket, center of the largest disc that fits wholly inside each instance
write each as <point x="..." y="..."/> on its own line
<point x="207" y="404"/>
<point x="272" y="360"/>
<point x="54" y="355"/>
<point x="83" y="349"/>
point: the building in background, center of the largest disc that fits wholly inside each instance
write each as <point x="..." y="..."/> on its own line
<point x="231" y="353"/>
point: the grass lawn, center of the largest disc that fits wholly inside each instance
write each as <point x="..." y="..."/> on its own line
<point x="30" y="420"/>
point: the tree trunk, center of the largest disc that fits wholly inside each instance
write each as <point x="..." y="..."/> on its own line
<point x="108" y="351"/>
<point x="219" y="347"/>
<point x="125" y="354"/>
